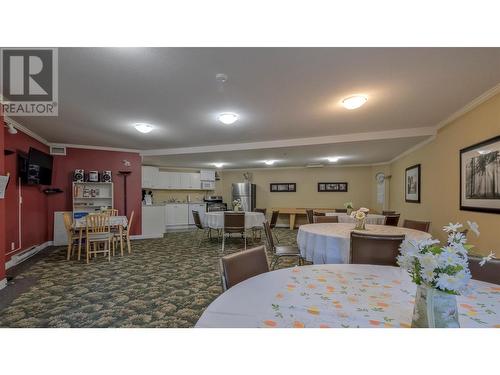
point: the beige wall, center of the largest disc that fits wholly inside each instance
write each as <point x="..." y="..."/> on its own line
<point x="440" y="177"/>
<point x="360" y="179"/>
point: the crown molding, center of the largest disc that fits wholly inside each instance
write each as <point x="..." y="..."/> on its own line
<point x="25" y="130"/>
<point x="343" y="138"/>
<point x="101" y="148"/>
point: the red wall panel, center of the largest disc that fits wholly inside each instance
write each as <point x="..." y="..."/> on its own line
<point x="2" y="202"/>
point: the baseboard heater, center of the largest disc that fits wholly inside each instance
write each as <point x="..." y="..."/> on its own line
<point x="25" y="254"/>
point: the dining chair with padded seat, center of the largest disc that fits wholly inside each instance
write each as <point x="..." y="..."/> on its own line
<point x="273" y="222"/>
<point x="310" y="216"/>
<point x="318" y="213"/>
<point x="73" y="235"/>
<point x="261" y="210"/>
<point x="234" y="222"/>
<point x="385" y="213"/>
<point x="489" y="272"/>
<point x="326" y="219"/>
<point x="392" y="220"/>
<point x="280" y="251"/>
<point x="374" y="249"/>
<point x="98" y="232"/>
<point x="200" y="228"/>
<point x="258" y="229"/>
<point x="341" y="210"/>
<point x="237" y="267"/>
<point x="418" y="225"/>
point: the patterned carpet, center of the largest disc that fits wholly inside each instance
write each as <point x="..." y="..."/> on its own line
<point x="165" y="282"/>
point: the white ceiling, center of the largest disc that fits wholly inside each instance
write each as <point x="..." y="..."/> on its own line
<point x="279" y="93"/>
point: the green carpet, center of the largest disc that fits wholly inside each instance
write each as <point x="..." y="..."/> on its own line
<point x="165" y="282"/>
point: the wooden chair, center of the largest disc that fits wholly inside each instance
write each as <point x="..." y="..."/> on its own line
<point x="326" y="219"/>
<point x="125" y="235"/>
<point x="98" y="232"/>
<point x="272" y="224"/>
<point x="111" y="212"/>
<point x="392" y="220"/>
<point x="374" y="249"/>
<point x="234" y="222"/>
<point x="237" y="267"/>
<point x="418" y="225"/>
<point x="489" y="272"/>
<point x="385" y="213"/>
<point x="280" y="251"/>
<point x="74" y="238"/>
<point x="341" y="210"/>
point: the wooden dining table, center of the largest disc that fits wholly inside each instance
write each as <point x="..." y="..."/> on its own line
<point x="293" y="212"/>
<point x="120" y="222"/>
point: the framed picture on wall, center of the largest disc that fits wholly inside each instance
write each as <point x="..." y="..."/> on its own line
<point x="480" y="176"/>
<point x="412" y="184"/>
<point x="285" y="187"/>
<point x="340" y="187"/>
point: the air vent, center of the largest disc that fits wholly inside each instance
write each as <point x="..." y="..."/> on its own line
<point x="57" y="150"/>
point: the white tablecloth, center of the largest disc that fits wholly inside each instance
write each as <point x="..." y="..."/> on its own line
<point x="370" y="219"/>
<point x="215" y="220"/>
<point x="330" y="243"/>
<point x="338" y="295"/>
<point x="113" y="221"/>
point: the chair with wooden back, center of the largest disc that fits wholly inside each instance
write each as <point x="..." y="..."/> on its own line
<point x="326" y="219"/>
<point x="73" y="235"/>
<point x="125" y="234"/>
<point x="279" y="252"/>
<point x="392" y="220"/>
<point x="272" y="224"/>
<point x="237" y="267"/>
<point x="111" y="211"/>
<point x="234" y="222"/>
<point x="385" y="213"/>
<point x="258" y="229"/>
<point x="341" y="210"/>
<point x="98" y="231"/>
<point x="374" y="249"/>
<point x="489" y="272"/>
<point x="417" y="225"/>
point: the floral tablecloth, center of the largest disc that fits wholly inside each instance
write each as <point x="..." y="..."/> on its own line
<point x="370" y="218"/>
<point x="113" y="221"/>
<point x="336" y="295"/>
<point x="327" y="243"/>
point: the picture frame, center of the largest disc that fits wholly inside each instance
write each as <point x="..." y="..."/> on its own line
<point x="283" y="187"/>
<point x="333" y="187"/>
<point x="413" y="183"/>
<point x="480" y="177"/>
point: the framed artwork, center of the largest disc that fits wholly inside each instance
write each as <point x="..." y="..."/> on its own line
<point x="412" y="184"/>
<point x="285" y="187"/>
<point x="339" y="187"/>
<point x="480" y="176"/>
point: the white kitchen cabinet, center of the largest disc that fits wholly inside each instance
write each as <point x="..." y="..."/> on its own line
<point x="207" y="175"/>
<point x="153" y="221"/>
<point x="200" y="207"/>
<point x="178" y="181"/>
<point x="150" y="177"/>
<point x="176" y="214"/>
<point x="194" y="181"/>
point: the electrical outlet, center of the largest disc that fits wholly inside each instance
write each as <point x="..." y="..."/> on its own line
<point x="12" y="246"/>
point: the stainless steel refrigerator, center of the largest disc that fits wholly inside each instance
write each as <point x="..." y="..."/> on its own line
<point x="245" y="192"/>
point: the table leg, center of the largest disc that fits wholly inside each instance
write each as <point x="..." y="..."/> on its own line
<point x="80" y="243"/>
<point x="121" y="240"/>
<point x="292" y="221"/>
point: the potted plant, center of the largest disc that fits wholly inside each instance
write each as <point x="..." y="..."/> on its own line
<point x="349" y="207"/>
<point x="237" y="205"/>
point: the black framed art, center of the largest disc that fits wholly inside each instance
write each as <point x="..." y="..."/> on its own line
<point x="284" y="187"/>
<point x="335" y="187"/>
<point x="412" y="184"/>
<point x="480" y="176"/>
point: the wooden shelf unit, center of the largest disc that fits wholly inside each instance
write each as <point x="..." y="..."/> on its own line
<point x="91" y="197"/>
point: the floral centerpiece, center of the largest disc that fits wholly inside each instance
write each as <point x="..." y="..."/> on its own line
<point x="349" y="207"/>
<point x="441" y="273"/>
<point x="360" y="217"/>
<point x="237" y="204"/>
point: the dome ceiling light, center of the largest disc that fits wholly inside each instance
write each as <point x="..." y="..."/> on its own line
<point x="354" y="101"/>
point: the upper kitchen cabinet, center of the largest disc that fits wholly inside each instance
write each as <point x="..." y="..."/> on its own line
<point x="207" y="175"/>
<point x="150" y="177"/>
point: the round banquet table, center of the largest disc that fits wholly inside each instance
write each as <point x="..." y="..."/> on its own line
<point x="215" y="220"/>
<point x="370" y="218"/>
<point x="338" y="295"/>
<point x="325" y="243"/>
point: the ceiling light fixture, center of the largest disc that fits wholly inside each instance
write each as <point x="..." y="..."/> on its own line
<point x="143" y="127"/>
<point x="269" y="162"/>
<point x="354" y="101"/>
<point x="228" y="118"/>
<point x="218" y="165"/>
<point x="333" y="160"/>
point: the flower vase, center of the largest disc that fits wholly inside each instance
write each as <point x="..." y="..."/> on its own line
<point x="434" y="309"/>
<point x="360" y="224"/>
<point x="349" y="211"/>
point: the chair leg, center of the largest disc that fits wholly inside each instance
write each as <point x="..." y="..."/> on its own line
<point x="129" y="248"/>
<point x="223" y="241"/>
<point x="274" y="262"/>
<point x="276" y="236"/>
<point x="79" y="244"/>
<point x="108" y="246"/>
<point x="70" y="246"/>
<point x="87" y="250"/>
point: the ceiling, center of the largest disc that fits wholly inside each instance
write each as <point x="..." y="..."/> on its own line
<point x="279" y="93"/>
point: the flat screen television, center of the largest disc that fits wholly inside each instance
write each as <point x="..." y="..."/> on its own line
<point x="36" y="167"/>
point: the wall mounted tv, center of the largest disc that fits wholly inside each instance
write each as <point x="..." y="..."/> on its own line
<point x="35" y="168"/>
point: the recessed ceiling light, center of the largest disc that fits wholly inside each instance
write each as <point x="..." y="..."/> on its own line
<point x="484" y="152"/>
<point x="269" y="162"/>
<point x="228" y="118"/>
<point x="333" y="160"/>
<point x="218" y="165"/>
<point x="143" y="127"/>
<point x="354" y="101"/>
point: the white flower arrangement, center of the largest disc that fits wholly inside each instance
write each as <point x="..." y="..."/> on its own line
<point x="237" y="204"/>
<point x="348" y="205"/>
<point x="444" y="268"/>
<point x="360" y="214"/>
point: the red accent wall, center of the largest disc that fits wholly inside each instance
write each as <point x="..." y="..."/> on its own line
<point x="2" y="202"/>
<point x="37" y="219"/>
